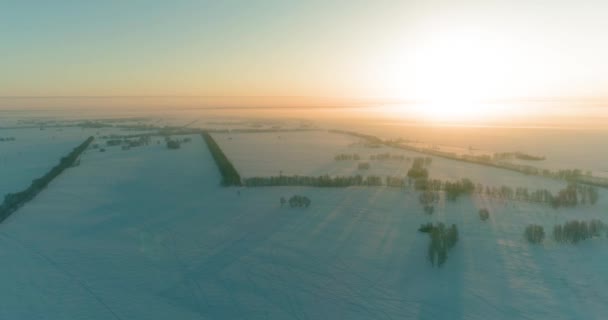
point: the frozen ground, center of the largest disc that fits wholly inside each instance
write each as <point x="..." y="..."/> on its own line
<point x="149" y="234"/>
<point x="312" y="153"/>
<point x="35" y="152"/>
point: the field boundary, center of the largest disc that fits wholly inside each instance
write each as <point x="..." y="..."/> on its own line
<point x="230" y="177"/>
<point x="13" y="201"/>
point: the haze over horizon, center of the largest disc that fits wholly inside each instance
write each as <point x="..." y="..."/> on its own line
<point x="448" y="55"/>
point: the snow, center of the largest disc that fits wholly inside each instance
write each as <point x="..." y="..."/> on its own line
<point x="149" y="234"/>
<point x="32" y="154"/>
<point x="312" y="153"/>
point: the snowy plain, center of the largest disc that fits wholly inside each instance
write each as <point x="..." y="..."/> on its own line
<point x="313" y="152"/>
<point x="148" y="233"/>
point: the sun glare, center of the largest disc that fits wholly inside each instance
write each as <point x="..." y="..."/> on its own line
<point x="453" y="75"/>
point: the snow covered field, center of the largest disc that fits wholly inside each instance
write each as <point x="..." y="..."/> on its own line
<point x="312" y="153"/>
<point x="149" y="234"/>
<point x="33" y="153"/>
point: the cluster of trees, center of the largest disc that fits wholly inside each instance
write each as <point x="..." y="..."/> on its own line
<point x="397" y="182"/>
<point x="565" y="174"/>
<point x="534" y="233"/>
<point x="7" y="139"/>
<point x="230" y="177"/>
<point x="442" y="240"/>
<point x="319" y="181"/>
<point x="574" y="194"/>
<point x="173" y="144"/>
<point x="297" y="201"/>
<point x="427" y="199"/>
<point x="13" y="201"/>
<point x="453" y="189"/>
<point x="347" y="156"/>
<point x="417" y="171"/>
<point x="575" y="230"/>
<point x="484" y="214"/>
<point x="176" y="143"/>
<point x="128" y="141"/>
<point x="363" y="166"/>
<point x="517" y="155"/>
<point x="387" y="156"/>
<point x="457" y="188"/>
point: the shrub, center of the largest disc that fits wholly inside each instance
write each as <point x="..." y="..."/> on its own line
<point x="534" y="233"/>
<point x="173" y="144"/>
<point x="299" y="201"/>
<point x="484" y="214"/>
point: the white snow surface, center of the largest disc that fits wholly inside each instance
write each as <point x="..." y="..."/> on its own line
<point x="149" y="234"/>
<point x="313" y="152"/>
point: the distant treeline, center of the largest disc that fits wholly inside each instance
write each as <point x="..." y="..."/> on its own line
<point x="388" y="156"/>
<point x="347" y="156"/>
<point x="517" y="155"/>
<point x="575" y="175"/>
<point x="366" y="137"/>
<point x="14" y="201"/>
<point x="230" y="177"/>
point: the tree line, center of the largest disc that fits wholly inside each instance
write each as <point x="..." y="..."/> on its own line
<point x="14" y="201"/>
<point x="347" y="156"/>
<point x="313" y="181"/>
<point x="230" y="177"/>
<point x="572" y="231"/>
<point x="572" y="195"/>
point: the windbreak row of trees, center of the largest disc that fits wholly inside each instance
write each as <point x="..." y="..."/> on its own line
<point x="318" y="181"/>
<point x="347" y="156"/>
<point x="572" y="231"/>
<point x="14" y="201"/>
<point x="575" y="230"/>
<point x="571" y="175"/>
<point x="574" y="194"/>
<point x="230" y="177"/>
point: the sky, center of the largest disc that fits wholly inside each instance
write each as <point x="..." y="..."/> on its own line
<point x="393" y="50"/>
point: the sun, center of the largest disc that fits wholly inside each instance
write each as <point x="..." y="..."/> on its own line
<point x="451" y="75"/>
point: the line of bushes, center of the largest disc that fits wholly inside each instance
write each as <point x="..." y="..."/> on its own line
<point x="230" y="177"/>
<point x="14" y="201"/>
